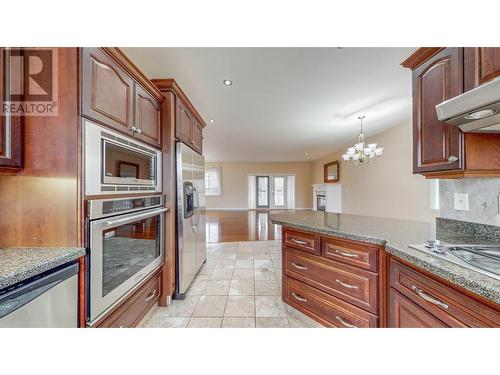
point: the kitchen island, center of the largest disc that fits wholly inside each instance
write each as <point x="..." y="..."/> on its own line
<point x="364" y="267"/>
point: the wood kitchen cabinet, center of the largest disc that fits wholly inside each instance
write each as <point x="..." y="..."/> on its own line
<point x="187" y="123"/>
<point x="406" y="314"/>
<point x="108" y="92"/>
<point x="419" y="300"/>
<point x="188" y="128"/>
<point x="197" y="136"/>
<point x="334" y="281"/>
<point x="441" y="150"/>
<point x="135" y="307"/>
<point x="114" y="94"/>
<point x="481" y="64"/>
<point x="11" y="136"/>
<point x="147" y="117"/>
<point x="437" y="146"/>
<point x="184" y="123"/>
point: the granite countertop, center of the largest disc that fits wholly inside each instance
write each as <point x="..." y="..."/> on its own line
<point x="396" y="235"/>
<point x="20" y="263"/>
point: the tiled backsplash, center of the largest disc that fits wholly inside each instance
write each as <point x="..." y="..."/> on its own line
<point x="483" y="199"/>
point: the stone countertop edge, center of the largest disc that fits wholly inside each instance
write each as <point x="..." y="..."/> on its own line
<point x="473" y="281"/>
<point x="21" y="263"/>
<point x="331" y="232"/>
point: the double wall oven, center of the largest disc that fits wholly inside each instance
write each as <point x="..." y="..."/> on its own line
<point x="125" y="233"/>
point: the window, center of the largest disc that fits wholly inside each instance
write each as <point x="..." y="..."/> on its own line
<point x="213" y="181"/>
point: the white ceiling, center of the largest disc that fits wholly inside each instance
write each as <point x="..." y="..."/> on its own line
<point x="285" y="102"/>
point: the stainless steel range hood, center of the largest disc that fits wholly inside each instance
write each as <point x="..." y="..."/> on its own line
<point x="477" y="110"/>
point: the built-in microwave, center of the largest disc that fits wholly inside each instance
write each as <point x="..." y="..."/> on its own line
<point x="117" y="164"/>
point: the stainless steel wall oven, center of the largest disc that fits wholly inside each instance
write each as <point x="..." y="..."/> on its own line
<point x="125" y="245"/>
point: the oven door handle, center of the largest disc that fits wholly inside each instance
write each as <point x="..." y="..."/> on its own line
<point x="134" y="217"/>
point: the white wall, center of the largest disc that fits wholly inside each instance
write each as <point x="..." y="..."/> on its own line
<point x="387" y="187"/>
<point x="235" y="182"/>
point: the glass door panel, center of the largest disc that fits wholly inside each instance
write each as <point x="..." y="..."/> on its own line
<point x="262" y="191"/>
<point x="127" y="249"/>
<point x="279" y="191"/>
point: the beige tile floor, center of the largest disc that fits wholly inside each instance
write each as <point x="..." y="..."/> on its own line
<point x="238" y="287"/>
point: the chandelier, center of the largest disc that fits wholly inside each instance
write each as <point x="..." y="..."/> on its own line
<point x="362" y="153"/>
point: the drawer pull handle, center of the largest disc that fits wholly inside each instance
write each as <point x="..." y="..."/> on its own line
<point x="349" y="286"/>
<point x="151" y="296"/>
<point x="346" y="254"/>
<point x="344" y="323"/>
<point x="298" y="298"/>
<point x="299" y="242"/>
<point x="429" y="298"/>
<point x="299" y="266"/>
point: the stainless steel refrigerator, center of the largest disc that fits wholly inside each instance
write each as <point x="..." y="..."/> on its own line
<point x="191" y="239"/>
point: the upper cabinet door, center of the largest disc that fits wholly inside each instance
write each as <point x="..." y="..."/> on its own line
<point x="147" y="117"/>
<point x="437" y="146"/>
<point x="11" y="142"/>
<point x="482" y="64"/>
<point x="184" y="123"/>
<point x="107" y="91"/>
<point x="197" y="139"/>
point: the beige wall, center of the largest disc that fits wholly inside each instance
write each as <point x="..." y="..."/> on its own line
<point x="235" y="182"/>
<point x="387" y="187"/>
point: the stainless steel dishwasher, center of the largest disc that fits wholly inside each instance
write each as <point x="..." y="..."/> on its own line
<point x="49" y="300"/>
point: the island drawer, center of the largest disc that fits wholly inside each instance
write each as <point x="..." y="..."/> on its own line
<point x="354" y="253"/>
<point x="325" y="308"/>
<point x="303" y="241"/>
<point x="351" y="284"/>
<point x="451" y="306"/>
<point x="407" y="314"/>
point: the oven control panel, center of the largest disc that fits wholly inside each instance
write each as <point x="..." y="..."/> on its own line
<point x="108" y="207"/>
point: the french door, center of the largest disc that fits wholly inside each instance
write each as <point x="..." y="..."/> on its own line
<point x="262" y="191"/>
<point x="271" y="192"/>
<point x="278" y="186"/>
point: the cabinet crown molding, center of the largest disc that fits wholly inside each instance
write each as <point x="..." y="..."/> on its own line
<point x="170" y="84"/>
<point x="420" y="56"/>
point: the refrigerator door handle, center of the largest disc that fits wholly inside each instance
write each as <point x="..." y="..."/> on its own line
<point x="196" y="211"/>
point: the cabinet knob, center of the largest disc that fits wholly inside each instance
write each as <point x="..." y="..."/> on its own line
<point x="452" y="159"/>
<point x="139" y="131"/>
<point x="133" y="128"/>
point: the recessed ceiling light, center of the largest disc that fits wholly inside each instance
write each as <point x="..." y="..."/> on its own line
<point x="306" y="154"/>
<point x="211" y="121"/>
<point x="227" y="82"/>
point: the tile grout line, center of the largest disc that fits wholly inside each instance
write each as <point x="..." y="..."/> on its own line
<point x="227" y="296"/>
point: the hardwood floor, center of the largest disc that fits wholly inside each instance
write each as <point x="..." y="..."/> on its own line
<point x="235" y="226"/>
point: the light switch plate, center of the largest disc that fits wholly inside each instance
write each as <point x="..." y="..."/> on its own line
<point x="461" y="201"/>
